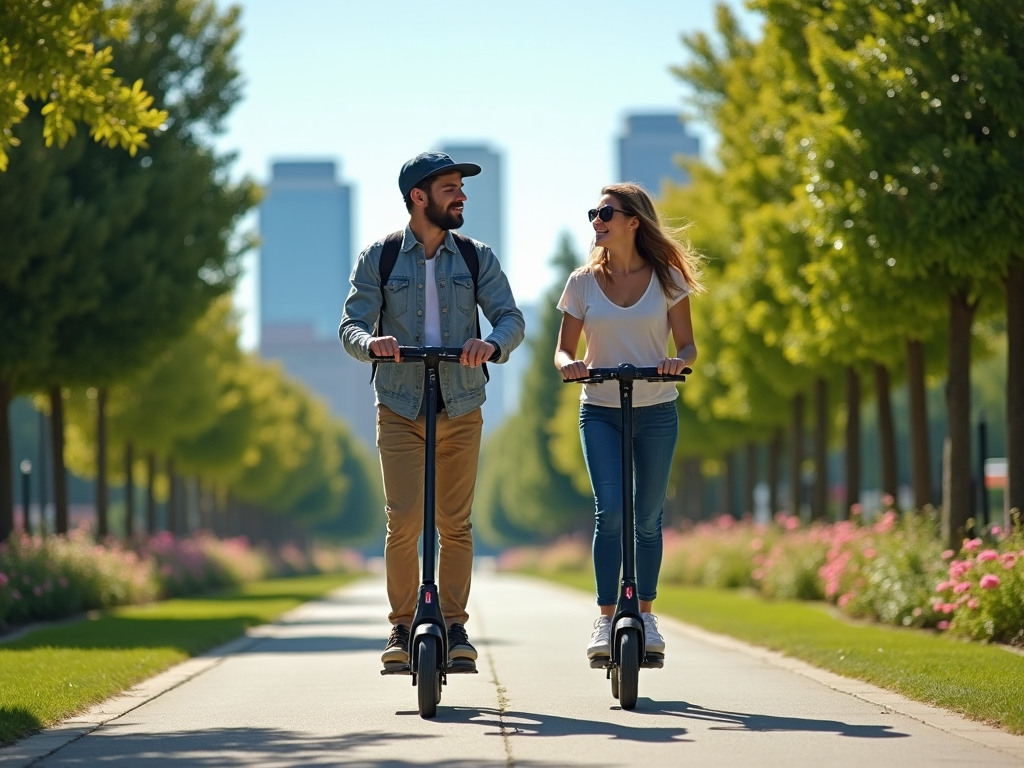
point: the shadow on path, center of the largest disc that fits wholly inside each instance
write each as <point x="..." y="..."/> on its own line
<point x="749" y="721"/>
<point x="224" y="747"/>
<point x="647" y="730"/>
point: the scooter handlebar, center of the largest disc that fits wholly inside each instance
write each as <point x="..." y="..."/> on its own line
<point x="627" y="372"/>
<point x="424" y="354"/>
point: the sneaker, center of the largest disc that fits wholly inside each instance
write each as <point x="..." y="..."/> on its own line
<point x="600" y="640"/>
<point x="459" y="646"/>
<point x="397" y="649"/>
<point x="654" y="641"/>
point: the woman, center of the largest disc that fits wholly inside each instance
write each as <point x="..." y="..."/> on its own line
<point x="626" y="300"/>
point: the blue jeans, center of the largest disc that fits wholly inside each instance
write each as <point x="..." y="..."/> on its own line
<point x="655" y="428"/>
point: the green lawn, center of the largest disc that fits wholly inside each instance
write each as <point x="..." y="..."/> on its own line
<point x="49" y="675"/>
<point x="981" y="682"/>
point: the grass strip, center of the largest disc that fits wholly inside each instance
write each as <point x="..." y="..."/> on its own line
<point x="982" y="682"/>
<point x="53" y="673"/>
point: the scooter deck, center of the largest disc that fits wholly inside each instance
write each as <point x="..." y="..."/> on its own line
<point x="653" y="661"/>
<point x="455" y="667"/>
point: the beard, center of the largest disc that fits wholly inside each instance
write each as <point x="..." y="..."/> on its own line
<point x="443" y="218"/>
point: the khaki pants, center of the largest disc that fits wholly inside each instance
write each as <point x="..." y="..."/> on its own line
<point x="402" y="446"/>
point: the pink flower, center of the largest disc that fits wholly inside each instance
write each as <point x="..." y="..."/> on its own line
<point x="888" y="499"/>
<point x="947" y="608"/>
<point x="3" y="579"/>
<point x="973" y="603"/>
<point x="989" y="581"/>
<point x="792" y="523"/>
<point x="870" y="552"/>
<point x="987" y="555"/>
<point x="756" y="543"/>
<point x="37" y="591"/>
<point x="844" y="599"/>
<point x="855" y="510"/>
<point x="997" y="531"/>
<point x="943" y="625"/>
<point x="948" y="554"/>
<point x="971" y="544"/>
<point x="1009" y="560"/>
<point x="917" y="611"/>
<point x="942" y="586"/>
<point x="962" y="587"/>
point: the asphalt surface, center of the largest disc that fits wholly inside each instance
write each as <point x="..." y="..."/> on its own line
<point x="307" y="692"/>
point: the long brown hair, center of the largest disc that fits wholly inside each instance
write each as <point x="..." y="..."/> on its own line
<point x="664" y="248"/>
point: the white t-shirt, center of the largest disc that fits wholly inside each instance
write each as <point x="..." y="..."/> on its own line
<point x="432" y="320"/>
<point x="637" y="334"/>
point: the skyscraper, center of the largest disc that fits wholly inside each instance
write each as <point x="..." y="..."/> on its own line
<point x="306" y="251"/>
<point x="305" y="263"/>
<point x="649" y="150"/>
<point x="484" y="222"/>
<point x="485" y="205"/>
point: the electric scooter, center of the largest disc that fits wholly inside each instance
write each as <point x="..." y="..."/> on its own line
<point x="428" y="635"/>
<point x="628" y="646"/>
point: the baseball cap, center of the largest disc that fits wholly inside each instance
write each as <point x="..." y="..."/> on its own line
<point x="430" y="164"/>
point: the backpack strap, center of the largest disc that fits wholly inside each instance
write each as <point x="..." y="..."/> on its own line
<point x="388" y="259"/>
<point x="469" y="255"/>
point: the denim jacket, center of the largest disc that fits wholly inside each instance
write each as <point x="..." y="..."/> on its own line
<point x="400" y="387"/>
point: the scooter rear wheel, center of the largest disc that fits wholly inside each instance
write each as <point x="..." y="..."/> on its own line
<point x="629" y="668"/>
<point x="428" y="676"/>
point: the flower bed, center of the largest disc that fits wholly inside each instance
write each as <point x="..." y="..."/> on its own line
<point x="59" y="576"/>
<point x="892" y="570"/>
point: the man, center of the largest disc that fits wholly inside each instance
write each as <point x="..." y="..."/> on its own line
<point x="431" y="300"/>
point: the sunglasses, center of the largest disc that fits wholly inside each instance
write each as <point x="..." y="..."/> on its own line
<point x="605" y="213"/>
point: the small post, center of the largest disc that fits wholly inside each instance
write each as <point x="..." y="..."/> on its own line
<point x="26" y="494"/>
<point x="983" y="516"/>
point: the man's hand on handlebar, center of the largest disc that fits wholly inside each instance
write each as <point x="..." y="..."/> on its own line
<point x="671" y="366"/>
<point x="386" y="346"/>
<point x="577" y="369"/>
<point x="477" y="352"/>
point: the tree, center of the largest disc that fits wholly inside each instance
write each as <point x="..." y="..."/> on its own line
<point x="536" y="497"/>
<point x="50" y="54"/>
<point x="927" y="103"/>
<point x="153" y="242"/>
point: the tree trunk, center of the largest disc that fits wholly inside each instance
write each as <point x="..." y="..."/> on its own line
<point x="102" y="523"/>
<point x="728" y="479"/>
<point x="920" y="453"/>
<point x="60" y="474"/>
<point x="172" y="498"/>
<point x="886" y="431"/>
<point x="956" y="465"/>
<point x="749" y="505"/>
<point x="129" y="491"/>
<point x="6" y="462"/>
<point x="852" y="442"/>
<point x="796" y="455"/>
<point x="150" y="495"/>
<point x="1014" y="388"/>
<point x="819" y="505"/>
<point x="44" y="485"/>
<point x="774" y="454"/>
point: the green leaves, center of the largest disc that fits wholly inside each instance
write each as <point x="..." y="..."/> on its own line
<point x="50" y="56"/>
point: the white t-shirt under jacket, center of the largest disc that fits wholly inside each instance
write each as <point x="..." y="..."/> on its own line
<point x="637" y="334"/>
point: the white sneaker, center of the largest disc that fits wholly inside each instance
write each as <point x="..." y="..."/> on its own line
<point x="654" y="641"/>
<point x="600" y="641"/>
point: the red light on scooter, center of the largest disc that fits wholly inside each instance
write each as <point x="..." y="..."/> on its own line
<point x="428" y="597"/>
<point x="629" y="593"/>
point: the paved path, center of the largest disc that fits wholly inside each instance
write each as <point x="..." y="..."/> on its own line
<point x="307" y="692"/>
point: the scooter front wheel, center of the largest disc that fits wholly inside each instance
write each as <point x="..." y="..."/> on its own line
<point x="428" y="676"/>
<point x="629" y="668"/>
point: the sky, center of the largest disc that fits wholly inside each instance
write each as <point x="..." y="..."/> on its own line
<point x="369" y="85"/>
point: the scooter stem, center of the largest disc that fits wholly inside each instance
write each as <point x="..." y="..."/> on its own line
<point x="429" y="522"/>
